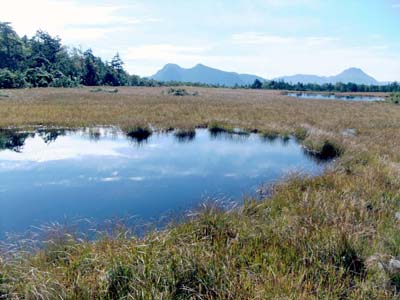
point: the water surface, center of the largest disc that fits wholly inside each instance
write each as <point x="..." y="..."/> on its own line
<point x="335" y="97"/>
<point x="56" y="175"/>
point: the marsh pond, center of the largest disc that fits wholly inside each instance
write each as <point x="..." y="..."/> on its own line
<point x="327" y="96"/>
<point x="54" y="175"/>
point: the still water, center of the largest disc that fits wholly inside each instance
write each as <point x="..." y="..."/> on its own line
<point x="335" y="97"/>
<point x="56" y="175"/>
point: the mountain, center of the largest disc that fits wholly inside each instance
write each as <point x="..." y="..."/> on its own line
<point x="353" y="75"/>
<point x="203" y="74"/>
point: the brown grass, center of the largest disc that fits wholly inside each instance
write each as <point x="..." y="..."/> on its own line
<point x="329" y="237"/>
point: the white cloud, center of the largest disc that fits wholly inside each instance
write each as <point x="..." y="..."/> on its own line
<point x="70" y="20"/>
<point x="274" y="57"/>
<point x="110" y="179"/>
<point x="158" y="51"/>
<point x="257" y="38"/>
<point x="36" y="150"/>
<point x="147" y="59"/>
<point x="137" y="178"/>
<point x="271" y="56"/>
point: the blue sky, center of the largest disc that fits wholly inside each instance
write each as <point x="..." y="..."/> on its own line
<point x="269" y="38"/>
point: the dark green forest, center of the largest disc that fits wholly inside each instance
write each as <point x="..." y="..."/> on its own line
<point x="328" y="87"/>
<point x="43" y="61"/>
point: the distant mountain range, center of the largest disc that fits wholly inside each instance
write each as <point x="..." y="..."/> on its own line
<point x="353" y="75"/>
<point x="203" y="74"/>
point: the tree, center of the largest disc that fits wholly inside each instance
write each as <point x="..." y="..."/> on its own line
<point x="90" y="75"/>
<point x="11" y="47"/>
<point x="44" y="50"/>
<point x="257" y="84"/>
<point x="121" y="77"/>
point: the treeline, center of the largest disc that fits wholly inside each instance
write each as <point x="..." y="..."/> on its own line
<point x="43" y="61"/>
<point x="328" y="87"/>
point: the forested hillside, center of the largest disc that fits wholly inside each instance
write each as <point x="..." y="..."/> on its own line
<point x="43" y="61"/>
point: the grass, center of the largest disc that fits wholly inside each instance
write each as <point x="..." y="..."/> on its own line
<point x="328" y="237"/>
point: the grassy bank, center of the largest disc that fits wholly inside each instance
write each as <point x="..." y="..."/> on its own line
<point x="330" y="237"/>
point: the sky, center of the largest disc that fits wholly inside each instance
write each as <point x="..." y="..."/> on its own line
<point x="269" y="38"/>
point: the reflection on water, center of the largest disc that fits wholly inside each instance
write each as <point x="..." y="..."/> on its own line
<point x="12" y="140"/>
<point x="335" y="97"/>
<point x="100" y="173"/>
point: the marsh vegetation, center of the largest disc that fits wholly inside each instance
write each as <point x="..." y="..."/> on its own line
<point x="334" y="236"/>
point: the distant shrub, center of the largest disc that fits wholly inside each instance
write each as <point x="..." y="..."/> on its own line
<point x="104" y="90"/>
<point x="11" y="80"/>
<point x="139" y="134"/>
<point x="38" y="77"/>
<point x="177" y="92"/>
<point x="216" y="128"/>
<point x="185" y="135"/>
<point x="324" y="148"/>
<point x="181" y="92"/>
<point x="60" y="80"/>
<point x="394" y="98"/>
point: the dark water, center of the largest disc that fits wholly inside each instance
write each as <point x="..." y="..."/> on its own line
<point x="335" y="97"/>
<point x="57" y="176"/>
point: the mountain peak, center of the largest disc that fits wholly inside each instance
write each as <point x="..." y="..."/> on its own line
<point x="171" y="66"/>
<point x="200" y="66"/>
<point x="353" y="70"/>
<point x="355" y="75"/>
